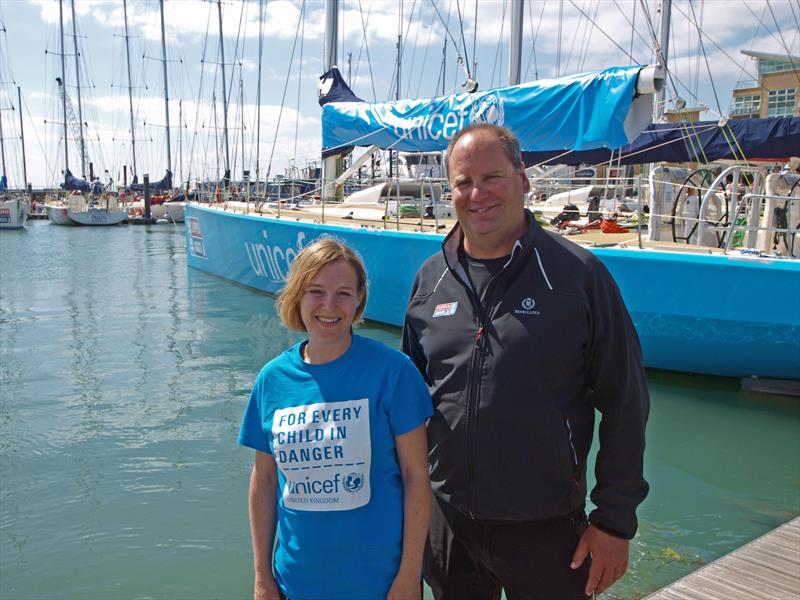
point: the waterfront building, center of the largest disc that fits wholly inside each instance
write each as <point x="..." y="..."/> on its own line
<point x="775" y="93"/>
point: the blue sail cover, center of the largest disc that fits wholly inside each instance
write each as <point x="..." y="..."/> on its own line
<point x="165" y="183"/>
<point x="333" y="88"/>
<point x="775" y="138"/>
<point x="3" y="183"/>
<point x="578" y="112"/>
<point x="80" y="185"/>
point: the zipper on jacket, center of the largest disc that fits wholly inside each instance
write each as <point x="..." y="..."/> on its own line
<point x="472" y="411"/>
<point x="473" y="383"/>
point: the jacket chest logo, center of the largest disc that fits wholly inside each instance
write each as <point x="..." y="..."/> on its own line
<point x="526" y="307"/>
<point x="445" y="310"/>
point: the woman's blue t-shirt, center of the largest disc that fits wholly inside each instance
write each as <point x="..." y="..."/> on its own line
<point x="331" y="430"/>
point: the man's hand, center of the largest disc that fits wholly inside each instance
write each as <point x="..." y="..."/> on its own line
<point x="609" y="558"/>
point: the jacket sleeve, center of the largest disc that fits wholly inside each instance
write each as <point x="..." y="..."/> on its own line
<point x="411" y="346"/>
<point x="618" y="387"/>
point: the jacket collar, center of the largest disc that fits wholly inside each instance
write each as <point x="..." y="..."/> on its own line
<point x="523" y="246"/>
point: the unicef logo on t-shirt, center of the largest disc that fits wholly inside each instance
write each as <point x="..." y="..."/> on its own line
<point x="353" y="482"/>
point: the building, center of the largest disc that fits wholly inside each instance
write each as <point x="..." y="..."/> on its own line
<point x="776" y="93"/>
<point x="690" y="114"/>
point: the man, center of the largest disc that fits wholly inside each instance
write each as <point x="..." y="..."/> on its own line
<point x="521" y="335"/>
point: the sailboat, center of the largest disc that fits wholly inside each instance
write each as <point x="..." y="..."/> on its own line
<point x="14" y="204"/>
<point x="165" y="209"/>
<point x="85" y="203"/>
<point x="13" y="207"/>
<point x="730" y="313"/>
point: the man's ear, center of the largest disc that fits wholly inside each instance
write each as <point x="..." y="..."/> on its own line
<point x="526" y="185"/>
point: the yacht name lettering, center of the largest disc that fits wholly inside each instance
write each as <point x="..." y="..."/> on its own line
<point x="272" y="261"/>
<point x="437" y="125"/>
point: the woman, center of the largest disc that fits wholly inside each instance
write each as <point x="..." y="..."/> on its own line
<point x="338" y="426"/>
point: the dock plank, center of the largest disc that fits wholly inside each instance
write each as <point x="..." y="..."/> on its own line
<point x="767" y="568"/>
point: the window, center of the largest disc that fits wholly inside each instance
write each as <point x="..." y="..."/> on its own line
<point x="775" y="66"/>
<point x="781" y="103"/>
<point x="746" y="105"/>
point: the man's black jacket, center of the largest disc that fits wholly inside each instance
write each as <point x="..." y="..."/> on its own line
<point x="516" y="377"/>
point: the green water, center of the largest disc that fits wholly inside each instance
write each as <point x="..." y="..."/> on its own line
<point x="123" y="376"/>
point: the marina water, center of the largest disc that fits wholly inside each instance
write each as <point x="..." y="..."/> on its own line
<point x="123" y="377"/>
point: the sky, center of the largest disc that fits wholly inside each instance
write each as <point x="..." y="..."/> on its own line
<point x="560" y="37"/>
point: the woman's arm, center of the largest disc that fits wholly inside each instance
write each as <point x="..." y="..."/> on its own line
<point x="263" y="502"/>
<point x="412" y="454"/>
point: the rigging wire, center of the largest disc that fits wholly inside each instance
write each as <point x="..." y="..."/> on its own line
<point x="299" y="80"/>
<point x="366" y="48"/>
<point x="463" y="39"/>
<point x="285" y="86"/>
<point x="558" y="37"/>
<point x="603" y="31"/>
<point x="498" y="51"/>
<point x="534" y="37"/>
<point x="794" y="16"/>
<point x="721" y="49"/>
<point x="633" y="29"/>
<point x="780" y="33"/>
<point x="475" y="39"/>
<point x="459" y="58"/>
<point x="197" y="103"/>
<point x="696" y="88"/>
<point x="424" y="62"/>
<point x="584" y="54"/>
<point x="575" y="34"/>
<point x="760" y="25"/>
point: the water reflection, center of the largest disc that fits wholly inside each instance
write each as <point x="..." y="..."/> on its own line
<point x="121" y="391"/>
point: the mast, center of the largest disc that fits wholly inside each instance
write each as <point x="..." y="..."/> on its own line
<point x="663" y="53"/>
<point x="2" y="146"/>
<point x="258" y="89"/>
<point x="330" y="164"/>
<point x="22" y="138"/>
<point x="180" y="138"/>
<point x="78" y="86"/>
<point x="166" y="88"/>
<point x="224" y="94"/>
<point x="331" y="33"/>
<point x="515" y="47"/>
<point x="241" y="111"/>
<point x="130" y="84"/>
<point x="64" y="83"/>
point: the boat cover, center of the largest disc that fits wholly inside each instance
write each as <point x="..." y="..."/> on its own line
<point x="775" y="138"/>
<point x="578" y="112"/>
<point x="332" y="88"/>
<point x="81" y="185"/>
<point x="165" y="183"/>
<point x="3" y="183"/>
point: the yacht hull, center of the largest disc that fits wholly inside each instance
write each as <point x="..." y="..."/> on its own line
<point x="58" y="215"/>
<point x="723" y="315"/>
<point x="13" y="213"/>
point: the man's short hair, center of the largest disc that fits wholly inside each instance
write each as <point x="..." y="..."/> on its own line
<point x="502" y="134"/>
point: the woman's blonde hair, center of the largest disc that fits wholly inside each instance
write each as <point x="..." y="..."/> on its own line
<point x="306" y="267"/>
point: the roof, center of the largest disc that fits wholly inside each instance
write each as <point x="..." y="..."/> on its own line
<point x="688" y="109"/>
<point x="769" y="56"/>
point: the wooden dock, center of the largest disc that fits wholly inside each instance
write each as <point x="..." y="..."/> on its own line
<point x="768" y="568"/>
